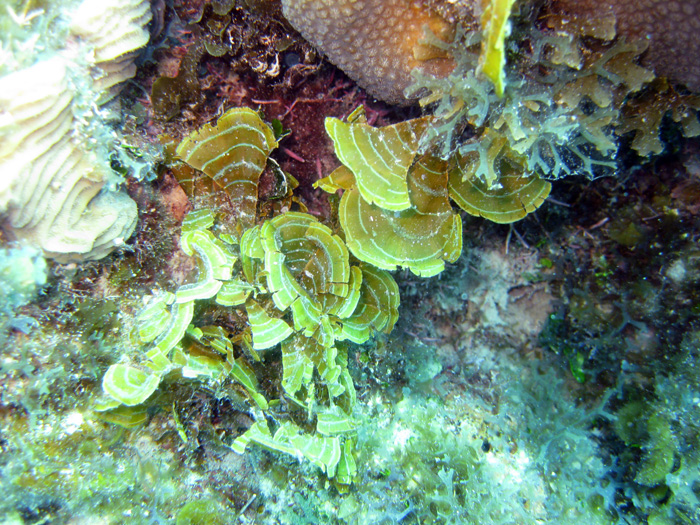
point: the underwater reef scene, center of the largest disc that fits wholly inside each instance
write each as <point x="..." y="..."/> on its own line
<point x="349" y="262"/>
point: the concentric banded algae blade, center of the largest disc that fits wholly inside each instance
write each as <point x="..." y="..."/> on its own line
<point x="301" y="237"/>
<point x="325" y="452"/>
<point x="300" y="355"/>
<point x="517" y="195"/>
<point x="322" y="451"/>
<point x="340" y="179"/>
<point x="267" y="331"/>
<point x="190" y="180"/>
<point x="380" y="289"/>
<point x="180" y="316"/>
<point x="154" y="319"/>
<point x="343" y="307"/>
<point x="201" y="219"/>
<point x="303" y="258"/>
<point x="334" y="423"/>
<point x="218" y="254"/>
<point x="214" y="337"/>
<point x="298" y="366"/>
<point x="328" y="269"/>
<point x="420" y="238"/>
<point x="242" y="372"/>
<point x="260" y="433"/>
<point x="129" y="385"/>
<point x="307" y="314"/>
<point x="251" y="252"/>
<point x="377" y="308"/>
<point x="215" y="261"/>
<point x="280" y="282"/>
<point x="347" y="469"/>
<point x="206" y="286"/>
<point x="197" y="362"/>
<point x="200" y="353"/>
<point x="233" y="153"/>
<point x="379" y="157"/>
<point x="200" y="360"/>
<point x="234" y="293"/>
<point x="124" y="416"/>
<point x="197" y="184"/>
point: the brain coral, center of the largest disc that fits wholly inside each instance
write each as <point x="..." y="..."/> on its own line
<point x="373" y="41"/>
<point x="113" y="31"/>
<point x="56" y="185"/>
<point x="672" y="28"/>
<point x="52" y="182"/>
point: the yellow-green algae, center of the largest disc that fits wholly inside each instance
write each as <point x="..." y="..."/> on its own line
<point x="494" y="24"/>
<point x="516" y="194"/>
<point x="564" y="103"/>
<point x="233" y="154"/>
<point x="292" y="280"/>
<point x="415" y="226"/>
<point x="378" y="158"/>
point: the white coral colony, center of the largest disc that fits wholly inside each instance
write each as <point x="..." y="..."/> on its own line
<point x="56" y="186"/>
<point x="115" y="30"/>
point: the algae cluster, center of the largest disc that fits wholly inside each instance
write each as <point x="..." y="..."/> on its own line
<point x="566" y="98"/>
<point x="395" y="210"/>
<point x="292" y="278"/>
<point x="254" y="375"/>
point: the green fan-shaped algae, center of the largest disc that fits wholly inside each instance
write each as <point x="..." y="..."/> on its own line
<point x="379" y="158"/>
<point x="420" y="238"/>
<point x="516" y="194"/>
<point x="233" y="153"/>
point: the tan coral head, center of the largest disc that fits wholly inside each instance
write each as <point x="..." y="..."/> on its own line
<point x="377" y="43"/>
<point x="54" y="187"/>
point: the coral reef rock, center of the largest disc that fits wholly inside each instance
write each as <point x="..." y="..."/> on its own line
<point x="57" y="189"/>
<point x="379" y="42"/>
<point x="53" y="184"/>
<point x="671" y="27"/>
<point x="114" y="30"/>
<point x="376" y="42"/>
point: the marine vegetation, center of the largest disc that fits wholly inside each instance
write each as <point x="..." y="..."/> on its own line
<point x="560" y="105"/>
<point x="395" y="209"/>
<point x="290" y="279"/>
<point x="313" y="323"/>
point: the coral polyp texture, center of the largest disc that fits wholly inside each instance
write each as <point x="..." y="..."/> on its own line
<point x="57" y="185"/>
<point x="377" y="42"/>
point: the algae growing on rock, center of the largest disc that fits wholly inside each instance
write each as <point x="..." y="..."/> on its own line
<point x="335" y="310"/>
